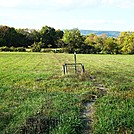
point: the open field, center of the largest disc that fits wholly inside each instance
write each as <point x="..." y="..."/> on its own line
<point x="36" y="97"/>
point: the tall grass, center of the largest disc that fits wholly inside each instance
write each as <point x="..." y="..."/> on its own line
<point x="114" y="112"/>
<point x="36" y="97"/>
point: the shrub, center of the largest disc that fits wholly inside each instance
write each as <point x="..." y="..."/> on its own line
<point x="12" y="49"/>
<point x="5" y="48"/>
<point x="21" y="49"/>
<point x="47" y="50"/>
<point x="36" y="47"/>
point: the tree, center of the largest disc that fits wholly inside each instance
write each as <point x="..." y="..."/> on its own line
<point x="29" y="36"/>
<point x="58" y="38"/>
<point x="48" y="36"/>
<point x="73" y="40"/>
<point x="126" y="42"/>
<point x="90" y="41"/>
<point x="3" y="30"/>
<point x="100" y="43"/>
<point x="36" y="47"/>
<point x="110" y="46"/>
<point x="9" y="36"/>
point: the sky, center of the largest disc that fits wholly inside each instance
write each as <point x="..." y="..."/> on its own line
<point x="113" y="15"/>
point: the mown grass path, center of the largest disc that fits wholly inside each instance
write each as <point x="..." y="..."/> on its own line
<point x="33" y="88"/>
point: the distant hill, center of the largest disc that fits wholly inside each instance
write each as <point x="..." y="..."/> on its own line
<point x="108" y="33"/>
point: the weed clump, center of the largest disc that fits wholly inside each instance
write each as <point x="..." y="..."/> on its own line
<point x="39" y="124"/>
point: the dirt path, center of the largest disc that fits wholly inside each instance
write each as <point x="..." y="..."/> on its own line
<point x="88" y="111"/>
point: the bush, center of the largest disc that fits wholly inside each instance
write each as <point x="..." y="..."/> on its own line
<point x="5" y="48"/>
<point x="21" y="49"/>
<point x="47" y="50"/>
<point x="12" y="49"/>
<point x="50" y="50"/>
<point x="36" y="47"/>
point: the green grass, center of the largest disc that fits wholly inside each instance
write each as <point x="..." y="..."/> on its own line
<point x="34" y="89"/>
<point x="115" y="114"/>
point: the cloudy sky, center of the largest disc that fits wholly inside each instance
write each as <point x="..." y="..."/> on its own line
<point x="115" y="15"/>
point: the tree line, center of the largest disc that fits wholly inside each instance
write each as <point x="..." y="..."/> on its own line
<point x="12" y="39"/>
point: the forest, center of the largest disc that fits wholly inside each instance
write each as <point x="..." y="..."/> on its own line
<point x="48" y="39"/>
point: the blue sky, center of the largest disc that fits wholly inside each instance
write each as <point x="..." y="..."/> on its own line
<point x="115" y="15"/>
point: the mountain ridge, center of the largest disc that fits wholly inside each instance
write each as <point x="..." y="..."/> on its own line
<point x="100" y="32"/>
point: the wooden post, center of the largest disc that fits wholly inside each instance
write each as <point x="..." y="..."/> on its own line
<point x="83" y="69"/>
<point x="64" y="69"/>
<point x="75" y="62"/>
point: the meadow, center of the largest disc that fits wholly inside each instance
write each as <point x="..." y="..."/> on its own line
<point x="36" y="97"/>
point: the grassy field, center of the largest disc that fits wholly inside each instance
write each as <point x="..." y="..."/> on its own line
<point x="35" y="96"/>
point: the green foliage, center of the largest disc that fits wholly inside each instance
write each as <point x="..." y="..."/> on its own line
<point x="10" y="37"/>
<point x="50" y="36"/>
<point x="126" y="40"/>
<point x="36" y="47"/>
<point x="4" y="48"/>
<point x="110" y="46"/>
<point x="72" y="39"/>
<point x="93" y="44"/>
<point x="69" y="40"/>
<point x="12" y="49"/>
<point x="21" y="49"/>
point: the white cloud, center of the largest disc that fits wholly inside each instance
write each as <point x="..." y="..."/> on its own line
<point x="9" y="3"/>
<point x="118" y="3"/>
<point x="118" y="22"/>
<point x="126" y="4"/>
<point x="47" y="4"/>
<point x="96" y="21"/>
<point x="87" y="14"/>
<point x="131" y="28"/>
<point x="99" y="24"/>
<point x="74" y="2"/>
<point x="103" y="21"/>
<point x="107" y="1"/>
<point x="68" y="5"/>
<point x="65" y="3"/>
